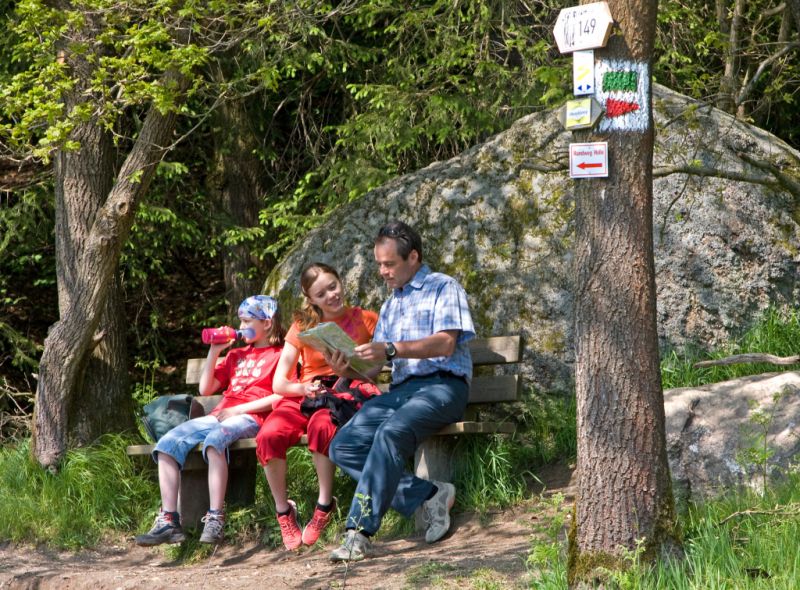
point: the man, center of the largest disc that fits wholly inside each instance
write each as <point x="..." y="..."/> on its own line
<point x="423" y="330"/>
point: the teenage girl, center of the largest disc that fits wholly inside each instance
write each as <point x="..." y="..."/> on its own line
<point x="324" y="301"/>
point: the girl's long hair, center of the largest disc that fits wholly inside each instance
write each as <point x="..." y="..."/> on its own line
<point x="276" y="331"/>
<point x="309" y="315"/>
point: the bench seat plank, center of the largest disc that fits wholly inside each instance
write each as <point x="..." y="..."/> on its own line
<point x="455" y="428"/>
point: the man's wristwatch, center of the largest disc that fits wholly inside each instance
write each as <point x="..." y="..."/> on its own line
<point x="391" y="351"/>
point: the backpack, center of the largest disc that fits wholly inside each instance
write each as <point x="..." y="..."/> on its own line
<point x="343" y="398"/>
<point x="168" y="411"/>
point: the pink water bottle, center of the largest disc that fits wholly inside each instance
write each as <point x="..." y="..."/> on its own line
<point x="225" y="334"/>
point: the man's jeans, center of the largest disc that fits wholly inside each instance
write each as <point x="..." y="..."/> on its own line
<point x="376" y="444"/>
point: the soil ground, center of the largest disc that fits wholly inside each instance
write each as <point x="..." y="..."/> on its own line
<point x="492" y="548"/>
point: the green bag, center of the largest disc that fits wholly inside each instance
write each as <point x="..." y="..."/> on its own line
<point x="168" y="411"/>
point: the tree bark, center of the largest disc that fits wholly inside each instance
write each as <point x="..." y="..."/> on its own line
<point x="242" y="192"/>
<point x="624" y="488"/>
<point x="730" y="78"/>
<point x="100" y="401"/>
<point x="76" y="334"/>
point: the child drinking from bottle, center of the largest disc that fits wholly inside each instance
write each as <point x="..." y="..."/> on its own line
<point x="246" y="374"/>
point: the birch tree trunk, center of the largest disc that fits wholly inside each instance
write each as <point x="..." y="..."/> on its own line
<point x="624" y="488"/>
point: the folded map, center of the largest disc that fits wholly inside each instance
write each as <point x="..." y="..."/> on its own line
<point x="328" y="337"/>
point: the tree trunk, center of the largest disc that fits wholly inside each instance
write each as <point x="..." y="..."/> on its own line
<point x="624" y="488"/>
<point x="76" y="334"/>
<point x="240" y="174"/>
<point x="237" y="179"/>
<point x="794" y="8"/>
<point x="100" y="401"/>
<point x="729" y="82"/>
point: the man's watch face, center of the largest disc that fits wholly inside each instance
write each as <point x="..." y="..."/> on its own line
<point x="391" y="351"/>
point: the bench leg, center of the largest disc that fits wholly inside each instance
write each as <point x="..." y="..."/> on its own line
<point x="193" y="497"/>
<point x="193" y="500"/>
<point x="242" y="472"/>
<point x="433" y="461"/>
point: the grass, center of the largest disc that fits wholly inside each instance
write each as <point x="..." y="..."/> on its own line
<point x="775" y="333"/>
<point x="95" y="492"/>
<point x="743" y="541"/>
<point x="101" y="491"/>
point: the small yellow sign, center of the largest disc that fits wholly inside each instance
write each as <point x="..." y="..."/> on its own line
<point x="578" y="113"/>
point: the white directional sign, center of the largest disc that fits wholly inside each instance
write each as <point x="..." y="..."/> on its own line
<point x="583" y="72"/>
<point x="583" y="27"/>
<point x="588" y="160"/>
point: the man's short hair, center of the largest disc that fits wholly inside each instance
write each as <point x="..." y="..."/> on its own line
<point x="404" y="235"/>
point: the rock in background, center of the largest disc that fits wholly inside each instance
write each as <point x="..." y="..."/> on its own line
<point x="499" y="218"/>
<point x="715" y="433"/>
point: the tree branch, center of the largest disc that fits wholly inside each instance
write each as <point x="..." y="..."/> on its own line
<point x="663" y="171"/>
<point x="755" y="357"/>
<point x="750" y="86"/>
<point x="791" y="510"/>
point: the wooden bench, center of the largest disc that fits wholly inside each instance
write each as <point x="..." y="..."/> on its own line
<point x="433" y="459"/>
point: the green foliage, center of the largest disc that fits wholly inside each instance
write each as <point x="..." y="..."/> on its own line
<point x="547" y="559"/>
<point x="549" y="424"/>
<point x="774" y="333"/>
<point x="27" y="274"/>
<point x="410" y="85"/>
<point x="758" y="452"/>
<point x="485" y="474"/>
<point x="99" y="489"/>
<point x="738" y="541"/>
<point x="692" y="42"/>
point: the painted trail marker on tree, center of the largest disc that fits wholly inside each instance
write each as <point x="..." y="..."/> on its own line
<point x="588" y="160"/>
<point x="622" y="88"/>
<point x="583" y="27"/>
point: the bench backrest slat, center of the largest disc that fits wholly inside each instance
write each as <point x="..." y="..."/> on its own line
<point x="194" y="368"/>
<point x="485" y="389"/>
<point x="495" y="350"/>
<point x="495" y="388"/>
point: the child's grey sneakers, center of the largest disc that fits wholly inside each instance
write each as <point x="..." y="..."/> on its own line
<point x="213" y="527"/>
<point x="355" y="547"/>
<point x="436" y="511"/>
<point x="166" y="529"/>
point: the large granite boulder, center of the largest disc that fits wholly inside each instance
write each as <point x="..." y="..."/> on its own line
<point x="499" y="218"/>
<point x="739" y="433"/>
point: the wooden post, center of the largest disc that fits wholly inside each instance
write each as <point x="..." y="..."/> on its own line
<point x="433" y="461"/>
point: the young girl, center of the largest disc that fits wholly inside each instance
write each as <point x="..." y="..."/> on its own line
<point x="323" y="302"/>
<point x="246" y="373"/>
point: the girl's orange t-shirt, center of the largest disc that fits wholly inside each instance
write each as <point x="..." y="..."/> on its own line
<point x="358" y="323"/>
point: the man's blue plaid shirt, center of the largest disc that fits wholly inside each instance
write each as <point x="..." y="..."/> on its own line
<point x="430" y="302"/>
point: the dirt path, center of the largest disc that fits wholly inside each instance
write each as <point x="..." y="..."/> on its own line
<point x="492" y="548"/>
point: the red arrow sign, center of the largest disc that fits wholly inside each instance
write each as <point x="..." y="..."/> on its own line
<point x="588" y="160"/>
